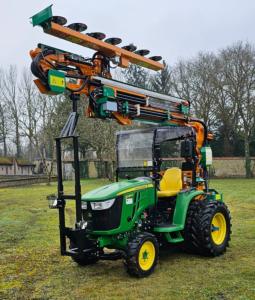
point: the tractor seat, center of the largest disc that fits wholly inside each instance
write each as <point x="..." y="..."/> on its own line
<point x="171" y="183"/>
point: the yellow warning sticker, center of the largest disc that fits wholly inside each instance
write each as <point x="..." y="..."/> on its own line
<point x="57" y="81"/>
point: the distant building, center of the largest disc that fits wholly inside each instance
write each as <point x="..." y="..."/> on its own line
<point x="67" y="154"/>
<point x="15" y="166"/>
<point x="42" y="166"/>
<point x="86" y="158"/>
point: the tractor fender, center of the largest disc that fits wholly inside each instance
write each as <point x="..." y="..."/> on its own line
<point x="182" y="204"/>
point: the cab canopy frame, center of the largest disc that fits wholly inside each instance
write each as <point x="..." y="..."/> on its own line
<point x="139" y="150"/>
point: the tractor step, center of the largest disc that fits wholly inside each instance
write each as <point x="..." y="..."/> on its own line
<point x="172" y="239"/>
<point x="167" y="227"/>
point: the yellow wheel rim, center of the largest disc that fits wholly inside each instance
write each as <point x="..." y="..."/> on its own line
<point x="146" y="256"/>
<point x="218" y="228"/>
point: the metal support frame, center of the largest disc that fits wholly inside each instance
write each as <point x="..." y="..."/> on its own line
<point x="68" y="131"/>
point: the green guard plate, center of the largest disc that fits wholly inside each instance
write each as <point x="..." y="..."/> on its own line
<point x="42" y="17"/>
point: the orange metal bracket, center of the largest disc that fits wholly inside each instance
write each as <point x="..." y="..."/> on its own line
<point x="95" y="44"/>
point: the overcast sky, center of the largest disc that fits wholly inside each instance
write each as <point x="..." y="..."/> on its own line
<point x="173" y="29"/>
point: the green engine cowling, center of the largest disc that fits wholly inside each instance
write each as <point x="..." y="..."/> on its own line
<point x="116" y="208"/>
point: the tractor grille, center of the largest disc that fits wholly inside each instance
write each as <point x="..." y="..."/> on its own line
<point x="106" y="219"/>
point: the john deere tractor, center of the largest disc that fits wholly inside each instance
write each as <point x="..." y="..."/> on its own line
<point x="161" y="194"/>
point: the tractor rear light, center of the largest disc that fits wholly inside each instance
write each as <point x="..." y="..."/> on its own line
<point x="101" y="205"/>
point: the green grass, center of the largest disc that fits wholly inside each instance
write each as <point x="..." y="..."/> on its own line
<point x="32" y="268"/>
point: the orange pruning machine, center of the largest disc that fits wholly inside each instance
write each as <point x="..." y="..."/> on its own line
<point x="59" y="71"/>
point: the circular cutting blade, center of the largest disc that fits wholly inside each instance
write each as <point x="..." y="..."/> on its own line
<point x="59" y="20"/>
<point x="97" y="35"/>
<point x="142" y="52"/>
<point x="78" y="27"/>
<point x="113" y="41"/>
<point x="156" y="58"/>
<point x="130" y="47"/>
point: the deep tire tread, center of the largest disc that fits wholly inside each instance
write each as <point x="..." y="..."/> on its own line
<point x="197" y="233"/>
<point x="133" y="248"/>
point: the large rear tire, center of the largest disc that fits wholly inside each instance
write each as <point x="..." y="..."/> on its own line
<point x="142" y="255"/>
<point x="208" y="228"/>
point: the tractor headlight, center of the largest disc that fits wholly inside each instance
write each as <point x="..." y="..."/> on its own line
<point x="101" y="205"/>
<point x="84" y="205"/>
<point x="53" y="201"/>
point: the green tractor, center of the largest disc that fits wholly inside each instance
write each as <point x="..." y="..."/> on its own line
<point x="150" y="204"/>
<point x="161" y="194"/>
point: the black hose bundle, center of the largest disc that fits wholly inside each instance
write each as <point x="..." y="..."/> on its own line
<point x="35" y="66"/>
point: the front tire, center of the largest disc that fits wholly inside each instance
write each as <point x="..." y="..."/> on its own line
<point x="208" y="228"/>
<point x="142" y="255"/>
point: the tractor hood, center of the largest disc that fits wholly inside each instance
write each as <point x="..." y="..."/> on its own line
<point x="118" y="188"/>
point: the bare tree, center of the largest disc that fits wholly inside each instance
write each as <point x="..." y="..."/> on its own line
<point x="10" y="94"/>
<point x="182" y="80"/>
<point x="30" y="109"/>
<point x="202" y="81"/>
<point x="225" y="112"/>
<point x="239" y="71"/>
<point x="192" y="81"/>
<point x="162" y="81"/>
<point x="3" y="117"/>
<point x="203" y="89"/>
<point x="44" y="137"/>
<point x="137" y="75"/>
<point x="100" y="136"/>
<point x="37" y="115"/>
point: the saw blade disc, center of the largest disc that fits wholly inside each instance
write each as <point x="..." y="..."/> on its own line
<point x="130" y="47"/>
<point x="156" y="58"/>
<point x="59" y="20"/>
<point x="113" y="41"/>
<point x="142" y="52"/>
<point x="78" y="27"/>
<point x="97" y="35"/>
